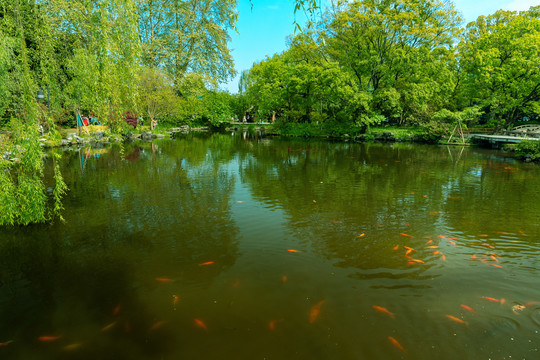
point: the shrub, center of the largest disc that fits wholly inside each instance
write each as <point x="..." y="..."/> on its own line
<point x="528" y="149"/>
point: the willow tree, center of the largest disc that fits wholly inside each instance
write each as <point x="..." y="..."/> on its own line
<point x="104" y="56"/>
<point x="188" y="36"/>
<point x="500" y="60"/>
<point x="22" y="190"/>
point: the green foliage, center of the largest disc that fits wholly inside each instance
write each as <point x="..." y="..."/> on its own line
<point x="501" y="65"/>
<point x="528" y="149"/>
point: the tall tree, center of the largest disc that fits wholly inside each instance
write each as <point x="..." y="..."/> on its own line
<point x="500" y="61"/>
<point x="188" y="36"/>
<point x="390" y="48"/>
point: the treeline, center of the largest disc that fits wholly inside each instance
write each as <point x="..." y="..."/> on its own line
<point x="158" y="58"/>
<point x="402" y="62"/>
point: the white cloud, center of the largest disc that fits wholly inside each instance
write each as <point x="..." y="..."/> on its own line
<point x="520" y="5"/>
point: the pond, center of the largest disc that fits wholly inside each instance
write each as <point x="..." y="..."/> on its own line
<point x="228" y="246"/>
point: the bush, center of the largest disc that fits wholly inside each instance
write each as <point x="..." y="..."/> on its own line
<point x="528" y="149"/>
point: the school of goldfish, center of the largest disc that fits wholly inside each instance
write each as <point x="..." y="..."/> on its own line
<point x="427" y="252"/>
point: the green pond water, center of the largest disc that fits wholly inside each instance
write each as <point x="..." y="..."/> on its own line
<point x="179" y="249"/>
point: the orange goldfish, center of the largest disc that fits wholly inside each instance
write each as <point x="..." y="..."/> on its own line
<point x="432" y="247"/>
<point x="494" y="258"/>
<point x="406" y="235"/>
<point x="396" y="344"/>
<point x="206" y="263"/>
<point x="200" y="323"/>
<point x="293" y="251"/>
<point x="48" y="338"/>
<point x="443" y="257"/>
<point x="468" y="308"/>
<point x="175" y="299"/>
<point x="116" y="310"/>
<point x="489" y="298"/>
<point x="441" y="236"/>
<point x="453" y="243"/>
<point x="284" y="279"/>
<point x="361" y="235"/>
<point x="6" y="343"/>
<point x="164" y="280"/>
<point x="455" y="319"/>
<point x="482" y="235"/>
<point x="409" y="250"/>
<point x="502" y="301"/>
<point x="108" y="327"/>
<point x="417" y="260"/>
<point x="496" y="265"/>
<point x="395" y="247"/>
<point x="157" y="325"/>
<point x="474" y="256"/>
<point x="315" y="311"/>
<point x="236" y="283"/>
<point x="429" y="242"/>
<point x="383" y="310"/>
<point x="272" y="324"/>
<point x="489" y="246"/>
<point x="436" y="252"/>
<point x="72" y="347"/>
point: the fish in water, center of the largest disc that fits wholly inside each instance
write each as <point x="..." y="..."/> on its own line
<point x="293" y="251"/>
<point x="157" y="325"/>
<point x="395" y="247"/>
<point x="489" y="298"/>
<point x="6" y="343"/>
<point x="315" y="311"/>
<point x="455" y="319"/>
<point x="361" y="235"/>
<point x="199" y="323"/>
<point x="49" y="338"/>
<point x="406" y="235"/>
<point x="396" y="344"/>
<point x="116" y="310"/>
<point x="284" y="279"/>
<point x="175" y="300"/>
<point x="382" y="310"/>
<point x="272" y="324"/>
<point x="409" y="250"/>
<point x="432" y="247"/>
<point x="72" y="347"/>
<point x="468" y="308"/>
<point x="108" y="327"/>
<point x="164" y="280"/>
<point x="206" y="263"/>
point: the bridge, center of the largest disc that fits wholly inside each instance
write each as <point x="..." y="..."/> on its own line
<point x="516" y="135"/>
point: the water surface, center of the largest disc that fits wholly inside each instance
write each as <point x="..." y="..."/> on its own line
<point x="180" y="249"/>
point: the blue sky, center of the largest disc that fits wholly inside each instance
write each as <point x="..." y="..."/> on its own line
<point x="263" y="29"/>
